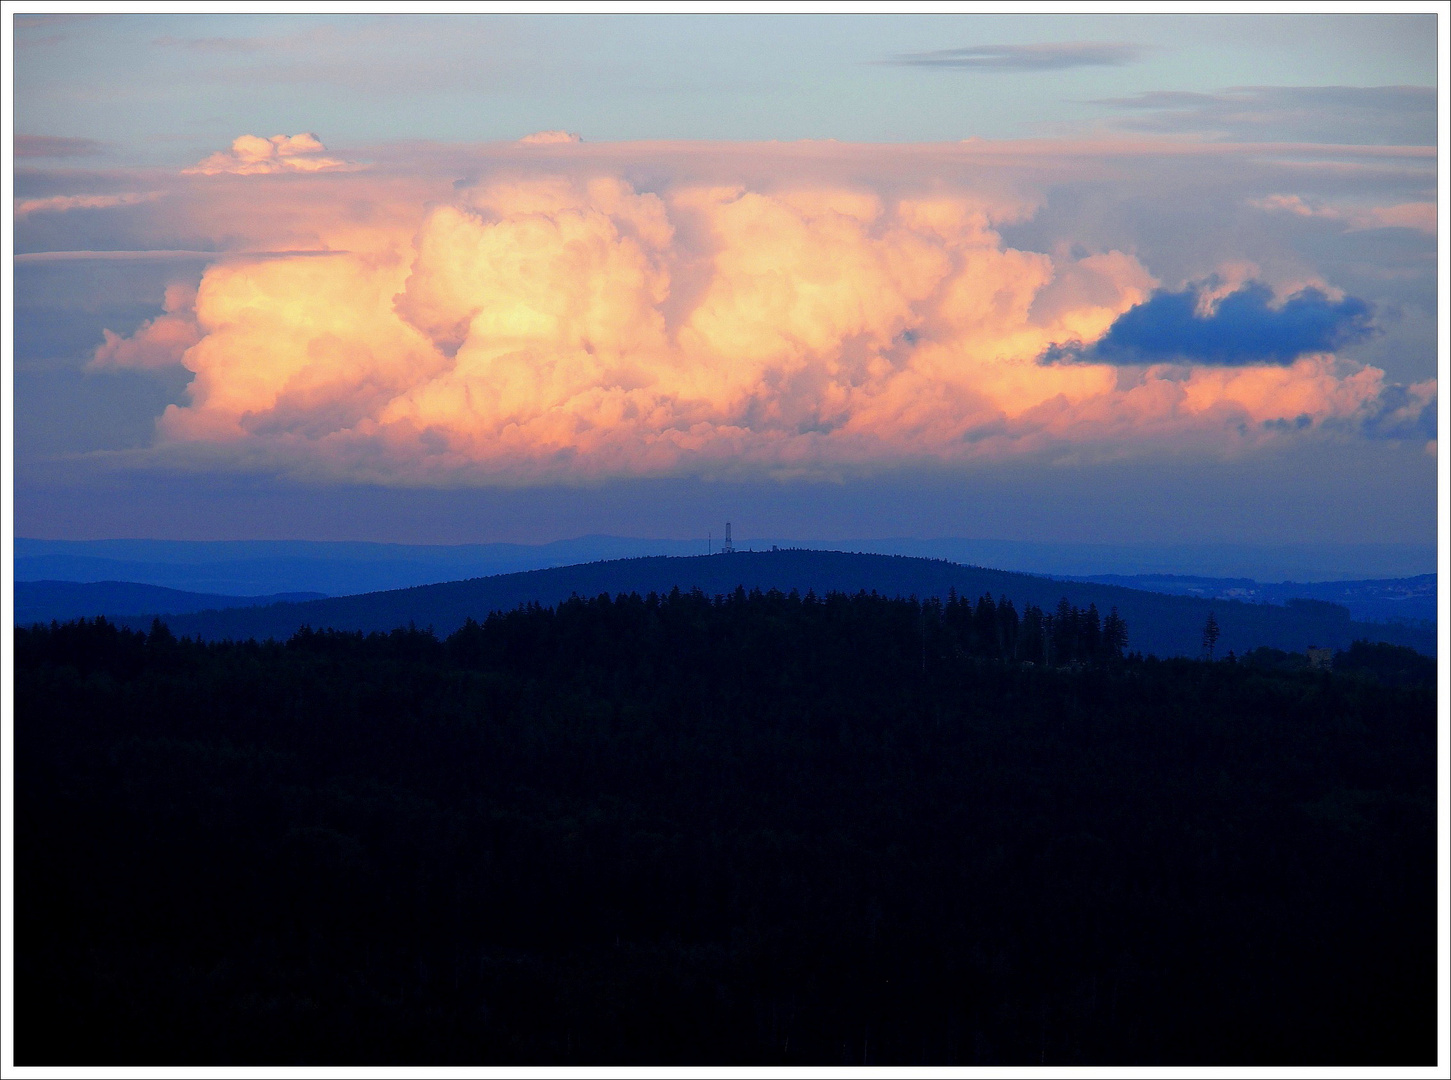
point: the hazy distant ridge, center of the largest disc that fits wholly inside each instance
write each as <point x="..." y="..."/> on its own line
<point x="45" y="601"/>
<point x="340" y="568"/>
<point x="1158" y="623"/>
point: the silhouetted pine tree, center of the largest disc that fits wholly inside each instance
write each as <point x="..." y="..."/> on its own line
<point x="1115" y="634"/>
<point x="1211" y="636"/>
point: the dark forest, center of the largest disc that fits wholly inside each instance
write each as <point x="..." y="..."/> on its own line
<point x="755" y="828"/>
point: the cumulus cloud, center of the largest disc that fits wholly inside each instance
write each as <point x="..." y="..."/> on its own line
<point x="253" y="155"/>
<point x="1246" y="326"/>
<point x="576" y="324"/>
<point x="1042" y="56"/>
<point x="158" y="343"/>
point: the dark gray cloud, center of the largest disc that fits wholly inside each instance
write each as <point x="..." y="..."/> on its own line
<point x="1045" y="56"/>
<point x="1380" y="115"/>
<point x="1244" y="328"/>
<point x="54" y="146"/>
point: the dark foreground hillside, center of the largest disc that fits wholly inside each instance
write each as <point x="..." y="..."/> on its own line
<point x="1160" y="624"/>
<point x="757" y="830"/>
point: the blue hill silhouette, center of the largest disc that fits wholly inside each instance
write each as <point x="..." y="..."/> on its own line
<point x="47" y="601"/>
<point x="1160" y="624"/>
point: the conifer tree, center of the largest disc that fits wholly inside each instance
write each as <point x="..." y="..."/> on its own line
<point x="1211" y="636"/>
<point x="1115" y="634"/>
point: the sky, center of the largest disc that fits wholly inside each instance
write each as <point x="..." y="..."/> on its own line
<point x="451" y="279"/>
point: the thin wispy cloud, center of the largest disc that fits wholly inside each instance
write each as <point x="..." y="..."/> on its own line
<point x="25" y="25"/>
<point x="374" y="55"/>
<point x="59" y="204"/>
<point x="35" y="22"/>
<point x="217" y="44"/>
<point x="1420" y="216"/>
<point x="54" y="146"/>
<point x="1396" y="115"/>
<point x="1044" y="56"/>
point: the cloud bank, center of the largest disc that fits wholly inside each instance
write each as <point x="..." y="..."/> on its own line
<point x="732" y="311"/>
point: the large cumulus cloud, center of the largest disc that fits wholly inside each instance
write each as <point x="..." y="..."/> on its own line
<point x="582" y="318"/>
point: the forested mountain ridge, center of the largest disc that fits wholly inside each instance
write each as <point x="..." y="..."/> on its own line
<point x="1160" y="624"/>
<point x="761" y="829"/>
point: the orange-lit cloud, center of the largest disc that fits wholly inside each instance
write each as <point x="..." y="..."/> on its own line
<point x="161" y="342"/>
<point x="544" y="138"/>
<point x="573" y="322"/>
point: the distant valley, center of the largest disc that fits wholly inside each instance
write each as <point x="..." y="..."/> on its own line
<point x="1411" y="599"/>
<point x="46" y="601"/>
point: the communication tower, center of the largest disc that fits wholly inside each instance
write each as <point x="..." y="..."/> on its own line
<point x="727" y="547"/>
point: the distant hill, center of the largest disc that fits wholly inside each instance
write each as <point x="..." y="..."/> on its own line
<point x="331" y="568"/>
<point x="1161" y="624"/>
<point x="45" y="601"/>
<point x="341" y="568"/>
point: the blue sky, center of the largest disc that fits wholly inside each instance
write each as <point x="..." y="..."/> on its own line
<point x="158" y="87"/>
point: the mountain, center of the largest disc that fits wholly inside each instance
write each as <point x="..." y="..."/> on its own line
<point x="45" y="601"/>
<point x="1158" y="623"/>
